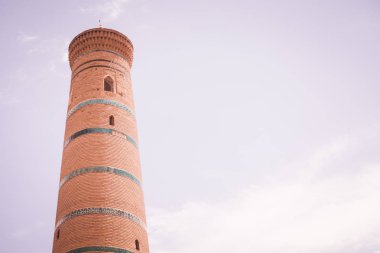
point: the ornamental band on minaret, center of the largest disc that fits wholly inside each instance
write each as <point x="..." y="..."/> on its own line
<point x="100" y="203"/>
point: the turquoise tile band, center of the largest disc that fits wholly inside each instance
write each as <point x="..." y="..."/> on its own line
<point x="100" y="101"/>
<point x="99" y="169"/>
<point x="100" y="131"/>
<point x="103" y="211"/>
<point x="99" y="248"/>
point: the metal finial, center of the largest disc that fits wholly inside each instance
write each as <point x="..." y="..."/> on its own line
<point x="100" y="23"/>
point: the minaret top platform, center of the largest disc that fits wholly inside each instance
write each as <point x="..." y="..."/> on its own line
<point x="100" y="39"/>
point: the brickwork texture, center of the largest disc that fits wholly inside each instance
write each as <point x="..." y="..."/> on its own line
<point x="100" y="203"/>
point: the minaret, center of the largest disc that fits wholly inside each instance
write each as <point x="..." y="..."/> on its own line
<point x="100" y="202"/>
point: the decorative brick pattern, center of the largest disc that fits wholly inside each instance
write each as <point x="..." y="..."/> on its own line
<point x="101" y="190"/>
<point x="100" y="39"/>
<point x="98" y="115"/>
<point x="90" y="83"/>
<point x="102" y="230"/>
<point x="101" y="202"/>
<point x="103" y="150"/>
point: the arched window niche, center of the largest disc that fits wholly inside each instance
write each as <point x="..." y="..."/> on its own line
<point x="108" y="84"/>
<point x="112" y="120"/>
<point x="137" y="244"/>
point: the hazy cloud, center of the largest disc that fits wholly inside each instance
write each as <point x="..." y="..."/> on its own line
<point x="335" y="213"/>
<point x="108" y="10"/>
<point x="26" y="231"/>
<point x="6" y="99"/>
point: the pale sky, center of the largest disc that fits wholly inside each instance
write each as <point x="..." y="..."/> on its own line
<point x="258" y="121"/>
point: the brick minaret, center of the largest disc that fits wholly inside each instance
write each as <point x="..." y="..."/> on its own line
<point x="100" y="202"/>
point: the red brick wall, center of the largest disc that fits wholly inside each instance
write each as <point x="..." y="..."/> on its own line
<point x="94" y="55"/>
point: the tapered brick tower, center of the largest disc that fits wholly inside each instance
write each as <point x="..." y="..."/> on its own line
<point x="100" y="203"/>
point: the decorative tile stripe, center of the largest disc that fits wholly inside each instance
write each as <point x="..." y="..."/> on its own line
<point x="101" y="131"/>
<point x="99" y="169"/>
<point x="99" y="248"/>
<point x="100" y="101"/>
<point x="96" y="66"/>
<point x="108" y="51"/>
<point x="129" y="61"/>
<point x="100" y="210"/>
<point x="95" y="60"/>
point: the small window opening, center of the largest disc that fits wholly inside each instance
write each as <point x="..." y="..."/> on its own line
<point x="58" y="231"/>
<point x="108" y="84"/>
<point x="112" y="120"/>
<point x="137" y="244"/>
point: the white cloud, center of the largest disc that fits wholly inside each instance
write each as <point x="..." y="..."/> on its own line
<point x="65" y="57"/>
<point x="334" y="213"/>
<point x="108" y="10"/>
<point x="65" y="52"/>
<point x="23" y="38"/>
